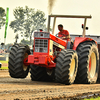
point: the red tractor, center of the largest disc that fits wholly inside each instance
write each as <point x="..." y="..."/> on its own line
<point x="51" y="60"/>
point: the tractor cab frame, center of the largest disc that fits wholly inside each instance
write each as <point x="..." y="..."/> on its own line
<point x="67" y="16"/>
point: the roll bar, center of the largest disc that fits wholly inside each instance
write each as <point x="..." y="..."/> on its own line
<point x="67" y="16"/>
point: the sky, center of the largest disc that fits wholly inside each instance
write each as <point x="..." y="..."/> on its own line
<point x="61" y="7"/>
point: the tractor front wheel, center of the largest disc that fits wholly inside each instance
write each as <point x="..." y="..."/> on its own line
<point x="12" y="56"/>
<point x="66" y="67"/>
<point x="39" y="73"/>
<point x="17" y="69"/>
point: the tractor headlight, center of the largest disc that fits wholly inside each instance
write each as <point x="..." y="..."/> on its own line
<point x="42" y="34"/>
<point x="41" y="50"/>
<point x="35" y="34"/>
<point x="47" y="35"/>
<point x="44" y="49"/>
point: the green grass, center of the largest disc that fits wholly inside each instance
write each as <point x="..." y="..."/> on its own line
<point x="3" y="67"/>
<point x="98" y="98"/>
<point x="3" y="61"/>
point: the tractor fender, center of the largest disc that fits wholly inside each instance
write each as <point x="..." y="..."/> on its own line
<point x="79" y="40"/>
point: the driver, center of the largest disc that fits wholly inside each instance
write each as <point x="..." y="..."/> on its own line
<point x="64" y="34"/>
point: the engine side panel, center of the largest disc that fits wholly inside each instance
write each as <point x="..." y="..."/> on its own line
<point x="58" y="40"/>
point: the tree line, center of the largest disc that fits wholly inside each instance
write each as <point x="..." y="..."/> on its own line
<point x="26" y="21"/>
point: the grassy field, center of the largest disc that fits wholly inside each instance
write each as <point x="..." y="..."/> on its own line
<point x="3" y="61"/>
<point x="4" y="64"/>
<point x="93" y="98"/>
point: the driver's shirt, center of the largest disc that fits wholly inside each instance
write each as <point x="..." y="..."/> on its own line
<point x="64" y="33"/>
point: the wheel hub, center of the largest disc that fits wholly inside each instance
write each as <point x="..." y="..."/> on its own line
<point x="92" y="65"/>
<point x="72" y="68"/>
<point x="25" y="67"/>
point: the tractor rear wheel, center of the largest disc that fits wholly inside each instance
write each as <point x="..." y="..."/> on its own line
<point x="39" y="73"/>
<point x="20" y="70"/>
<point x="88" y="64"/>
<point x="66" y="67"/>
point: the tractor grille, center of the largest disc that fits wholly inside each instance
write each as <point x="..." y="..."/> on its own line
<point x="41" y="45"/>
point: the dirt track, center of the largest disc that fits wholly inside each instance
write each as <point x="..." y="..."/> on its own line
<point x="26" y="89"/>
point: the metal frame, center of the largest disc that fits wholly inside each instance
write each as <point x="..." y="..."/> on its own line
<point x="67" y="16"/>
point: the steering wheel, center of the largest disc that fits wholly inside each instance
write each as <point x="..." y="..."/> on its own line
<point x="62" y="37"/>
<point x="58" y="36"/>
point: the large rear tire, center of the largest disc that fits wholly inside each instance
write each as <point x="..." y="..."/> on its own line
<point x="88" y="64"/>
<point x="19" y="70"/>
<point x="66" y="67"/>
